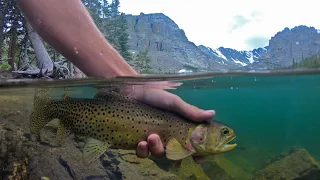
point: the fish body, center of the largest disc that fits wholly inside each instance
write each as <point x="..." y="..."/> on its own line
<point x="112" y="120"/>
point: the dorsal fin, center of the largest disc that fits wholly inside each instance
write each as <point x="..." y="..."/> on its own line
<point x="109" y="95"/>
<point x="66" y="97"/>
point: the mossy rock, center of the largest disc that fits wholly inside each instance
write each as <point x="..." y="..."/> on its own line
<point x="124" y="164"/>
<point x="296" y="164"/>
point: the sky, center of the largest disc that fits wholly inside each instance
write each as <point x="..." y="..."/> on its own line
<point x="242" y="25"/>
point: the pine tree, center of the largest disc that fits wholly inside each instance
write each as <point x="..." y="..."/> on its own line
<point x="111" y="23"/>
<point x="117" y="30"/>
<point x="142" y="61"/>
<point x="123" y="38"/>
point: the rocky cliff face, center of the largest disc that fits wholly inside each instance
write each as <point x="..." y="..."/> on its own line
<point x="288" y="45"/>
<point x="168" y="46"/>
<point x="171" y="51"/>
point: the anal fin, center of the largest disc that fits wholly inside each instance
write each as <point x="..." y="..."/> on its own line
<point x="93" y="149"/>
<point x="175" y="151"/>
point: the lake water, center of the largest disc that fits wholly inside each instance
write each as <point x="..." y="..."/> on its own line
<point x="271" y="113"/>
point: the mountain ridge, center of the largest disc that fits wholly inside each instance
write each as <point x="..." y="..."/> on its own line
<point x="170" y="48"/>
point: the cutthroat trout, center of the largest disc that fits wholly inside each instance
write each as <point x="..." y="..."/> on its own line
<point x="113" y="120"/>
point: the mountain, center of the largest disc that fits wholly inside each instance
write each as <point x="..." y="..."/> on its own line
<point x="242" y="58"/>
<point x="168" y="46"/>
<point x="171" y="51"/>
<point x="289" y="45"/>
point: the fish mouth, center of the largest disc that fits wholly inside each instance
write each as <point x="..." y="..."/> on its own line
<point x="228" y="147"/>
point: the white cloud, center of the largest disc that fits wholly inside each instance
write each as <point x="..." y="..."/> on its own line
<point x="210" y="22"/>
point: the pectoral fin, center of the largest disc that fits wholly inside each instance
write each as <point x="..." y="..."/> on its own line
<point x="93" y="150"/>
<point x="175" y="151"/>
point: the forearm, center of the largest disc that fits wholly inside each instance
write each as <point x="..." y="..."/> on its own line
<point x="68" y="27"/>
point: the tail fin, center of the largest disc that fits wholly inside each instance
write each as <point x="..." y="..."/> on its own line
<point x="41" y="112"/>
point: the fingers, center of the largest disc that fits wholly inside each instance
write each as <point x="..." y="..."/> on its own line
<point x="153" y="144"/>
<point x="142" y="149"/>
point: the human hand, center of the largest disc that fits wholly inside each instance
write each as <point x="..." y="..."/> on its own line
<point x="165" y="100"/>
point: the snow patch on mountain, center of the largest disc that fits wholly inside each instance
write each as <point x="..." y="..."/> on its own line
<point x="219" y="54"/>
<point x="239" y="62"/>
<point x="240" y="58"/>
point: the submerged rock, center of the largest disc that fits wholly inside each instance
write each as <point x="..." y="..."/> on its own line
<point x="20" y="158"/>
<point x="297" y="164"/>
<point x="124" y="164"/>
<point x="13" y="153"/>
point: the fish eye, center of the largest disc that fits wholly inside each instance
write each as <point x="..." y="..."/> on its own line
<point x="225" y="131"/>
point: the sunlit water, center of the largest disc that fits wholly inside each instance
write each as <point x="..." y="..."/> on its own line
<point x="270" y="113"/>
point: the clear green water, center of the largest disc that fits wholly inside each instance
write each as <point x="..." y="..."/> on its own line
<point x="270" y="114"/>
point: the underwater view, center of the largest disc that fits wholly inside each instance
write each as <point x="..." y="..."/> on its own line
<point x="275" y="118"/>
